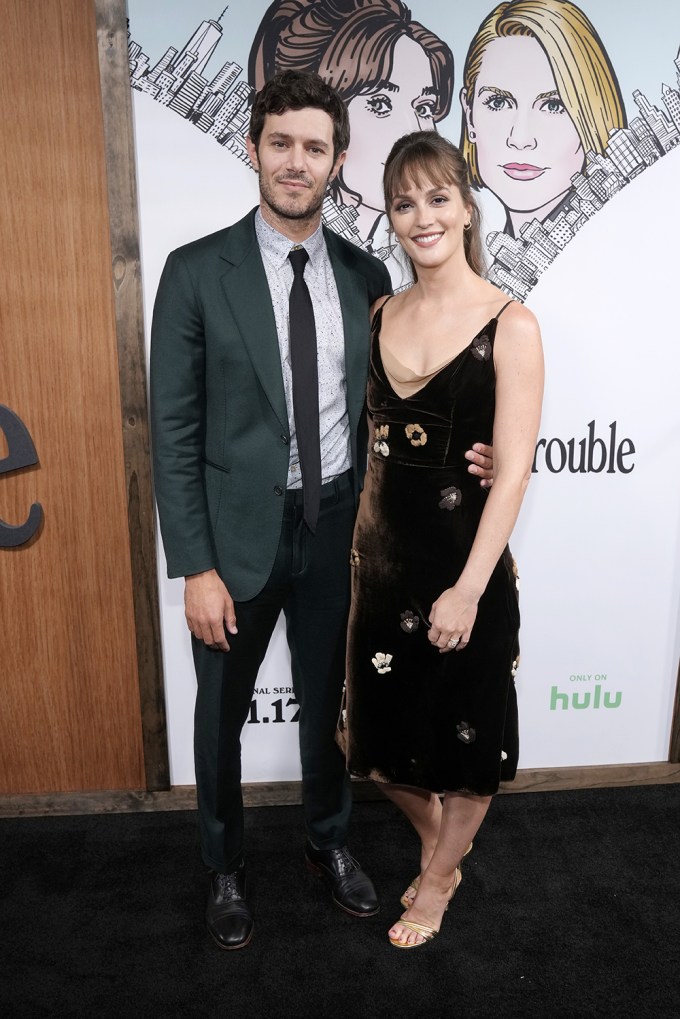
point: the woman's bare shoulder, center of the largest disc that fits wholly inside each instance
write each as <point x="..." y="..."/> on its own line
<point x="516" y="320"/>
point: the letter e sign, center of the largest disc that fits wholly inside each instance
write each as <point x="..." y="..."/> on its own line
<point x="21" y="454"/>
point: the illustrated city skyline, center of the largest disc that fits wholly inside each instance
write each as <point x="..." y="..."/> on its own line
<point x="220" y="108"/>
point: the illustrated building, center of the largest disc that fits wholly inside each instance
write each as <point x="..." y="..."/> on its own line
<point x="671" y="99"/>
<point x="624" y="153"/>
<point x="663" y="128"/>
<point x="162" y="64"/>
<point x="341" y="219"/>
<point x="225" y="77"/>
<point x="199" y="49"/>
<point x="236" y="102"/>
<point x="645" y="140"/>
<point x="188" y="94"/>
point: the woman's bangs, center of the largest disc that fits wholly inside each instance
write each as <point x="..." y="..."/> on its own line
<point x="421" y="170"/>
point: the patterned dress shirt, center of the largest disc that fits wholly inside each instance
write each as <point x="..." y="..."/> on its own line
<point x="330" y="342"/>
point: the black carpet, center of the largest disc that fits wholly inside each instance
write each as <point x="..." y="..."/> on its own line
<point x="569" y="908"/>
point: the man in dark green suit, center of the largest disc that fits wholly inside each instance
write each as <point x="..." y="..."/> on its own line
<point x="228" y="480"/>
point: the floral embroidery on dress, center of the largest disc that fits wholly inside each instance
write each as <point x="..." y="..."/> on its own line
<point x="504" y="756"/>
<point x="380" y="437"/>
<point x="515" y="573"/>
<point x="465" y="733"/>
<point x="342" y="721"/>
<point x="354" y="557"/>
<point x="451" y="497"/>
<point x="382" y="662"/>
<point x="409" y="621"/>
<point x="481" y="350"/>
<point x="416" y="435"/>
<point x="514" y="667"/>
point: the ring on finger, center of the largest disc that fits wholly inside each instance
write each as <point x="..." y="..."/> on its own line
<point x="452" y="642"/>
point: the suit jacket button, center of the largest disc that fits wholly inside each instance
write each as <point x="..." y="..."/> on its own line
<point x="278" y="490"/>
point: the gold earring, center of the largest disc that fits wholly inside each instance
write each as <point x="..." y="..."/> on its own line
<point x="468" y="225"/>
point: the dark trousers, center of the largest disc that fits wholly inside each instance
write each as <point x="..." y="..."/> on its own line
<point x="310" y="582"/>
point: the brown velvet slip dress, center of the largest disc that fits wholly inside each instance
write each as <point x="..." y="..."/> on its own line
<point x="411" y="715"/>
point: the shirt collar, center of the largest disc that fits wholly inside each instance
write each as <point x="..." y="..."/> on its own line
<point x="276" y="245"/>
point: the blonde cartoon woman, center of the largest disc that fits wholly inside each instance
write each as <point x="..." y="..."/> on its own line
<point x="539" y="93"/>
<point x="395" y="75"/>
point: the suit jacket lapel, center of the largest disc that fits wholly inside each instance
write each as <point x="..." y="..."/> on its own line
<point x="247" y="292"/>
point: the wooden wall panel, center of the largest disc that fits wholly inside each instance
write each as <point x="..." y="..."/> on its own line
<point x="127" y="291"/>
<point x="70" y="713"/>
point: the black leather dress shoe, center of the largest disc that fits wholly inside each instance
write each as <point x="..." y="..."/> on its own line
<point x="227" y="915"/>
<point x="352" y="890"/>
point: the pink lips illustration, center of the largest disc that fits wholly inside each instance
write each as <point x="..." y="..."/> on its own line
<point x="523" y="171"/>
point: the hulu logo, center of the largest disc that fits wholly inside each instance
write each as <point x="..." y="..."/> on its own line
<point x="585" y="699"/>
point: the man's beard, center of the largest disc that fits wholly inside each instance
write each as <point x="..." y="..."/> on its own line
<point x="293" y="211"/>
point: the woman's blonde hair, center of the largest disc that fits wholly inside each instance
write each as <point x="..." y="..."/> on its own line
<point x="585" y="78"/>
<point x="425" y="158"/>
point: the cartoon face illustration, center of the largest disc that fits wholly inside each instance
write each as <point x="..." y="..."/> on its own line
<point x="394" y="74"/>
<point x="538" y="94"/>
<point x="527" y="146"/>
<point x="406" y="102"/>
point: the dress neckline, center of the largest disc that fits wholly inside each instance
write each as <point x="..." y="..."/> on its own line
<point x="431" y="376"/>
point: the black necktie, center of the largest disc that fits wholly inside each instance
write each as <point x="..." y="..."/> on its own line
<point x="305" y="387"/>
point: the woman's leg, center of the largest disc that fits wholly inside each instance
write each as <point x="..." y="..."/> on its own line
<point x="423" y="809"/>
<point x="462" y="815"/>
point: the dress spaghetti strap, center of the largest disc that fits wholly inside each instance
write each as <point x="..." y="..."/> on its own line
<point x="503" y="309"/>
<point x="378" y="312"/>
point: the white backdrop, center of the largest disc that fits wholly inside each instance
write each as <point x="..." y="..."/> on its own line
<point x="599" y="553"/>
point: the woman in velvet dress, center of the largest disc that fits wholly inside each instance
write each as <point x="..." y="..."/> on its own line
<point x="430" y="703"/>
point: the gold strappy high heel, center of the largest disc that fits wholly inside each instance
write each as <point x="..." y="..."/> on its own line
<point x="410" y="893"/>
<point x="426" y="932"/>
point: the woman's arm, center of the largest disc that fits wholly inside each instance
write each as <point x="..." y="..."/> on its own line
<point x="519" y="390"/>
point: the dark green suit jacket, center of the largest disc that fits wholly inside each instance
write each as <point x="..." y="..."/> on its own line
<point x="218" y="410"/>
